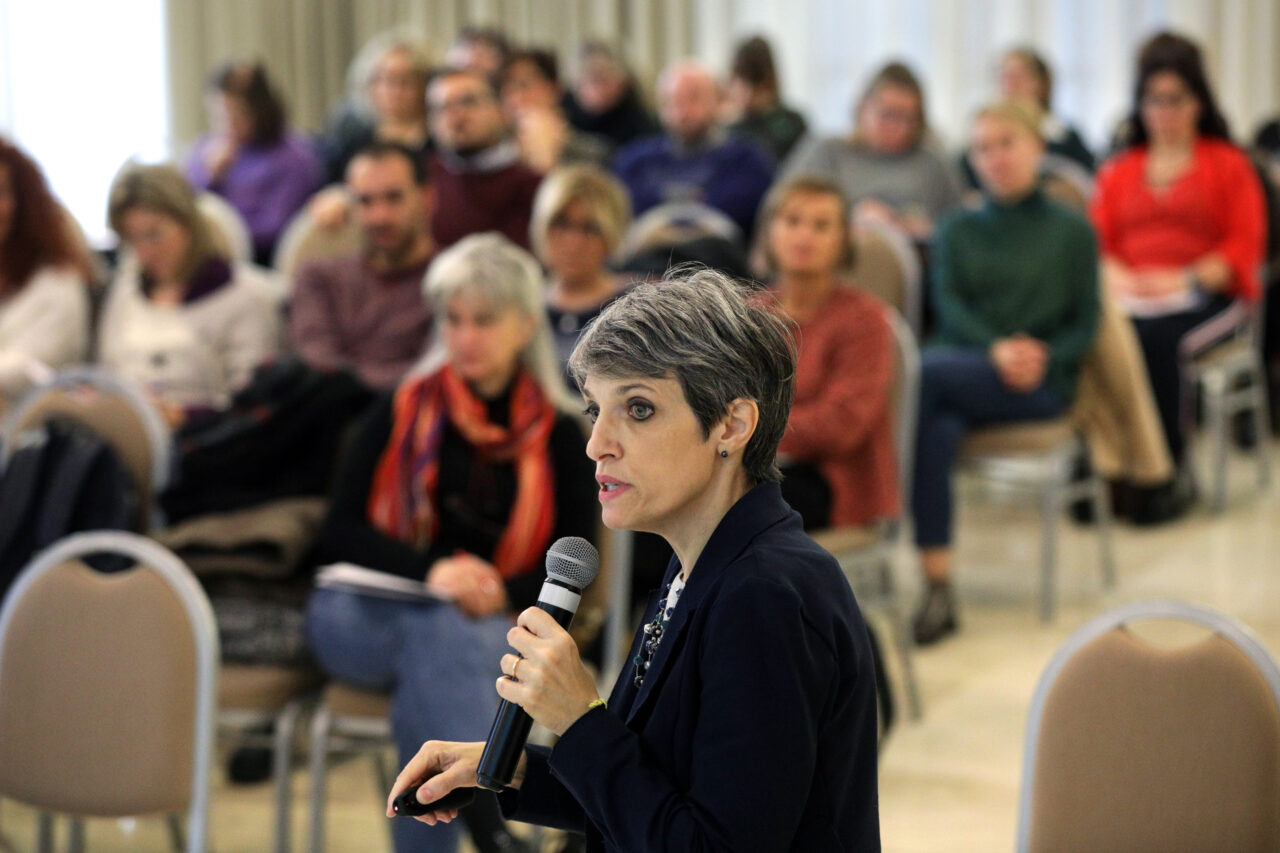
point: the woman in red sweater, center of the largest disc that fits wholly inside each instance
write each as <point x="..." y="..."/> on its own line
<point x="837" y="453"/>
<point x="1181" y="223"/>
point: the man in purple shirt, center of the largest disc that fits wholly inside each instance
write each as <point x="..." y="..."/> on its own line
<point x="366" y="313"/>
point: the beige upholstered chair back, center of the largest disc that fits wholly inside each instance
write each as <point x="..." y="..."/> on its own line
<point x="304" y="242"/>
<point x="1067" y="182"/>
<point x="97" y="685"/>
<point x="107" y="684"/>
<point x="111" y="409"/>
<point x="230" y="232"/>
<point x="1140" y="747"/>
<point x="904" y="400"/>
<point x="885" y="264"/>
<point x="877" y="268"/>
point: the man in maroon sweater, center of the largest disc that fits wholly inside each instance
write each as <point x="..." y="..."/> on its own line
<point x="479" y="181"/>
<point x="366" y="313"/>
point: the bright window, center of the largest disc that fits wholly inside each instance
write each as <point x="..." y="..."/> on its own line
<point x="83" y="88"/>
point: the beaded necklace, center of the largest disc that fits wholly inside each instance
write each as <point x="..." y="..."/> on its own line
<point x="653" y="631"/>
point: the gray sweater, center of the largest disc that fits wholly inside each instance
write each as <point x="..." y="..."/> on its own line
<point x="919" y="182"/>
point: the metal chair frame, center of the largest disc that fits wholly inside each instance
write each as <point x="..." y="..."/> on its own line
<point x="1233" y="383"/>
<point x="870" y="569"/>
<point x="1049" y="475"/>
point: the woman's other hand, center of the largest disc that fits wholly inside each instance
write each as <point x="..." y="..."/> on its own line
<point x="445" y="766"/>
<point x="550" y="683"/>
<point x="474" y="584"/>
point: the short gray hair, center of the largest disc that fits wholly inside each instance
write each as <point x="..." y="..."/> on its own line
<point x="716" y="337"/>
<point x="505" y="277"/>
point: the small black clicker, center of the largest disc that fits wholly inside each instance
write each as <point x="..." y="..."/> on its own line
<point x="407" y="805"/>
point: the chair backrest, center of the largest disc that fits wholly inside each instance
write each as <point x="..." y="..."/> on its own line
<point x="108" y="684"/>
<point x="886" y="264"/>
<point x="1132" y="746"/>
<point x="229" y="228"/>
<point x="905" y="400"/>
<point x="675" y="223"/>
<point x="112" y="408"/>
<point x="1067" y="182"/>
<point x="303" y="241"/>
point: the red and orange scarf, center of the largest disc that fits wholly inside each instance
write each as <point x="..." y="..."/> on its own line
<point x="403" y="500"/>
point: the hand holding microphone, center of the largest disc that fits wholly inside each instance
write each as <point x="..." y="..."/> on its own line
<point x="552" y="685"/>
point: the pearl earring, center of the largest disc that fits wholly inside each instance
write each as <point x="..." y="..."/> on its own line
<point x="724" y="454"/>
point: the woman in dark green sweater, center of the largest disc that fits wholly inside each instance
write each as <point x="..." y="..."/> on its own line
<point x="1016" y="294"/>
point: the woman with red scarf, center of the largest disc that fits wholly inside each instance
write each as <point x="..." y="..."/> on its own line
<point x="462" y="480"/>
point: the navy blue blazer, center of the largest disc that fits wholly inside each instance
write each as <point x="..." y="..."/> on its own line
<point x="755" y="728"/>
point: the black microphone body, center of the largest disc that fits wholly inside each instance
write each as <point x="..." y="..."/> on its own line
<point x="511" y="725"/>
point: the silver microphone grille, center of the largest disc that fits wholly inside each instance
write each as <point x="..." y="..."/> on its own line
<point x="573" y="560"/>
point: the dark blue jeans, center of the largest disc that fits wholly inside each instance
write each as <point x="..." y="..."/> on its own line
<point x="438" y="665"/>
<point x="960" y="391"/>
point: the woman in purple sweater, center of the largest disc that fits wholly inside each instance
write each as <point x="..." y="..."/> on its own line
<point x="249" y="157"/>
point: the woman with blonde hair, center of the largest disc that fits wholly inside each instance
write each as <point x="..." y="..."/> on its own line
<point x="886" y="167"/>
<point x="461" y="480"/>
<point x="181" y="319"/>
<point x="1015" y="287"/>
<point x="579" y="216"/>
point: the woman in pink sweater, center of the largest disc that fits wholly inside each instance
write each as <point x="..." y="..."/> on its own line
<point x="837" y="453"/>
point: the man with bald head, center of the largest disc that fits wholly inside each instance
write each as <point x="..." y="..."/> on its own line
<point x="694" y="159"/>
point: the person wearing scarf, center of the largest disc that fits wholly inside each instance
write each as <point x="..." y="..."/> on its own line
<point x="462" y="479"/>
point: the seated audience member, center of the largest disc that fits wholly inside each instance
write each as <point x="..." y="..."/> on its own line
<point x="579" y="216"/>
<point x="605" y="98"/>
<point x="250" y="158"/>
<point x="837" y="453"/>
<point x="1181" y="222"/>
<point x="485" y="50"/>
<point x="180" y="319"/>
<point x="44" y="280"/>
<point x="1017" y="301"/>
<point x="1024" y="74"/>
<point x="754" y="98"/>
<point x="694" y="160"/>
<point x="463" y="480"/>
<point x="387" y="103"/>
<point x="366" y="313"/>
<point x="885" y="168"/>
<point x="479" y="180"/>
<point x="531" y="101"/>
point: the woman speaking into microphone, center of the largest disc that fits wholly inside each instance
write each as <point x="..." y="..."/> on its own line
<point x="745" y="718"/>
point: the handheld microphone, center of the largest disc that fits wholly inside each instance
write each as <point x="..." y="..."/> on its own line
<point x="572" y="564"/>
